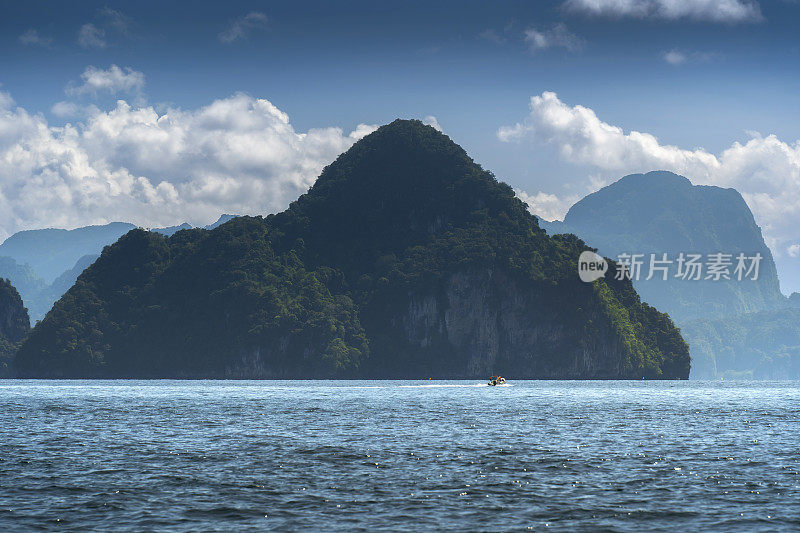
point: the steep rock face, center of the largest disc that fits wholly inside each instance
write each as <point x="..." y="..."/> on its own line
<point x="497" y="326"/>
<point x="734" y="328"/>
<point x="482" y="321"/>
<point x="661" y="212"/>
<point x="405" y="259"/>
<point x="14" y="324"/>
<point x="23" y="278"/>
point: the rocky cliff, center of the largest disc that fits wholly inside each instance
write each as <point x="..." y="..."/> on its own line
<point x="661" y="212"/>
<point x="483" y="321"/>
<point x="14" y="324"/>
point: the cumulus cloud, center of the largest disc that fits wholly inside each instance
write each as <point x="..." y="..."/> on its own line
<point x="547" y="206"/>
<point x="72" y="110"/>
<point x="765" y="170"/>
<point x="556" y="37"/>
<point x="724" y="11"/>
<point x="90" y="36"/>
<point x="793" y="250"/>
<point x="236" y="155"/>
<point x="430" y="120"/>
<point x="112" y="80"/>
<point x="65" y="109"/>
<point x="32" y="37"/>
<point x="5" y="100"/>
<point x="241" y="27"/>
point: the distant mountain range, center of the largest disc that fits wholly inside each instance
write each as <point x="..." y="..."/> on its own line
<point x="404" y="260"/>
<point x="50" y="252"/>
<point x="42" y="264"/>
<point x="761" y="345"/>
<point x="661" y="212"/>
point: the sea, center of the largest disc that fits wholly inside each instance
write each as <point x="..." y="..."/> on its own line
<point x="399" y="456"/>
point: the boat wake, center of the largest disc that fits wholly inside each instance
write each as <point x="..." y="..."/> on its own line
<point x="431" y="386"/>
<point x="443" y="385"/>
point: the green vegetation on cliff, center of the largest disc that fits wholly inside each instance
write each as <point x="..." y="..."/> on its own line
<point x="734" y="328"/>
<point x="14" y="324"/>
<point x="763" y="345"/>
<point x="661" y="212"/>
<point x="405" y="259"/>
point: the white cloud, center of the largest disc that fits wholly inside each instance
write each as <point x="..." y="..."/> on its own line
<point x="5" y="100"/>
<point x="675" y="57"/>
<point x="547" y="206"/>
<point x="32" y="37"/>
<point x="90" y="36"/>
<point x="65" y="109"/>
<point x="430" y="120"/>
<point x="765" y="170"/>
<point x="793" y="250"/>
<point x="723" y="11"/>
<point x="241" y="27"/>
<point x="556" y="37"/>
<point x="236" y="155"/>
<point x="117" y="20"/>
<point x="112" y="80"/>
<point x="73" y="110"/>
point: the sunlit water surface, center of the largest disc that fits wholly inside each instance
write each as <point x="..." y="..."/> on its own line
<point x="319" y="455"/>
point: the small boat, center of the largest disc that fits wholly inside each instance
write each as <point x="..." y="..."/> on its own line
<point x="497" y="380"/>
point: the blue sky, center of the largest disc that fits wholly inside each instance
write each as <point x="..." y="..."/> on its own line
<point x="700" y="74"/>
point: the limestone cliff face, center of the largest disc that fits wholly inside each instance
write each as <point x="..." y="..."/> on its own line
<point x="483" y="322"/>
<point x="14" y="324"/>
<point x="661" y="212"/>
<point x="480" y="322"/>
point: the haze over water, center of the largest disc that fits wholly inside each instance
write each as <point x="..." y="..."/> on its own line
<point x="376" y="455"/>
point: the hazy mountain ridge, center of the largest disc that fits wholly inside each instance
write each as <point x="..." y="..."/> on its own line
<point x="662" y="212"/>
<point x="50" y="252"/>
<point x="763" y="345"/>
<point x="52" y="249"/>
<point x="405" y="259"/>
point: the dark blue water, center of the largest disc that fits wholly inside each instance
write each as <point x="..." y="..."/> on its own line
<point x="221" y="455"/>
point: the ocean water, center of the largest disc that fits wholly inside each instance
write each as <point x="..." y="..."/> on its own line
<point x="398" y="456"/>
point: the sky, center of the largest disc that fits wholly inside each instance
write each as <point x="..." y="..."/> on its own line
<point x="158" y="113"/>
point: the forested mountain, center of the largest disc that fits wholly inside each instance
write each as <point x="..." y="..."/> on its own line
<point x="661" y="212"/>
<point x="14" y="324"/>
<point x="50" y="252"/>
<point x="37" y="295"/>
<point x="734" y="328"/>
<point x="763" y="345"/>
<point x="405" y="259"/>
<point x="23" y="278"/>
<point x="54" y="250"/>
